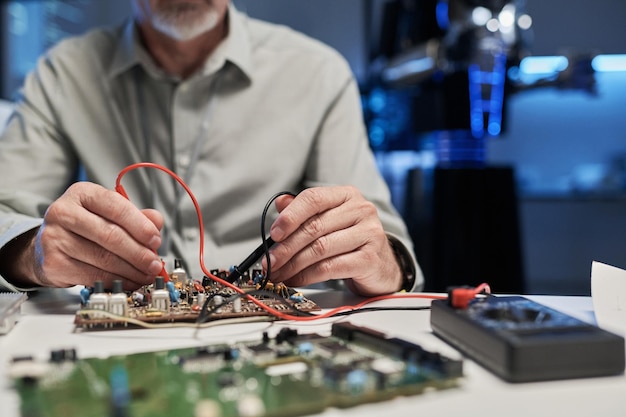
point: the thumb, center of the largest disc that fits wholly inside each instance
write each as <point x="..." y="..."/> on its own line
<point x="283" y="201"/>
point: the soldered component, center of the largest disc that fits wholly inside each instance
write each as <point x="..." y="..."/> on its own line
<point x="61" y="355"/>
<point x="118" y="301"/>
<point x="160" y="296"/>
<point x="173" y="301"/>
<point x="286" y="375"/>
<point x="237" y="305"/>
<point x="173" y="292"/>
<point x="179" y="274"/>
<point x="99" y="300"/>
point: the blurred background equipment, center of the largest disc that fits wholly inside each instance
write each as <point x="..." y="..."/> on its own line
<point x="451" y="58"/>
<point x="453" y="64"/>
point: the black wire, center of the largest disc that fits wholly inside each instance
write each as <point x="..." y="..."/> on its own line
<point x="266" y="279"/>
<point x="375" y="309"/>
<point x="205" y="312"/>
<point x="282" y="299"/>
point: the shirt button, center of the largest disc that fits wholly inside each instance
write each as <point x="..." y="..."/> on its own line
<point x="191" y="233"/>
<point x="184" y="161"/>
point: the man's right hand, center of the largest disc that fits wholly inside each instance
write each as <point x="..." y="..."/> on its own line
<point x="90" y="233"/>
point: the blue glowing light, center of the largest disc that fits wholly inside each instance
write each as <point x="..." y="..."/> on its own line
<point x="441" y="13"/>
<point x="544" y="65"/>
<point x="609" y="63"/>
<point x="487" y="107"/>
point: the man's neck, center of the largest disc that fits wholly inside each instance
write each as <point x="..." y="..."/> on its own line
<point x="181" y="58"/>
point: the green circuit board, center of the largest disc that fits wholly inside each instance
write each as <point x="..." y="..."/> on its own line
<point x="289" y="374"/>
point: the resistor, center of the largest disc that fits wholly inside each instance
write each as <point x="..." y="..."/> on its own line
<point x="197" y="286"/>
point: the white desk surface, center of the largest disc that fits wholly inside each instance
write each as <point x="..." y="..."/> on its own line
<point x="46" y="323"/>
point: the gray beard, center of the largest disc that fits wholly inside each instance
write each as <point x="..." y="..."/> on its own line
<point x="183" y="31"/>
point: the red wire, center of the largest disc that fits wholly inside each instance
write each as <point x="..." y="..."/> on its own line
<point x="482" y="288"/>
<point x="120" y="189"/>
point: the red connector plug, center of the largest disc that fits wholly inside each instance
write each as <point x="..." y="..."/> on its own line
<point x="460" y="297"/>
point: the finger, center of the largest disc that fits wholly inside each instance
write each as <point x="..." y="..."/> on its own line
<point x="327" y="246"/>
<point x="62" y="250"/>
<point x="358" y="268"/>
<point x="283" y="201"/>
<point x="319" y="237"/>
<point x="77" y="273"/>
<point x="90" y="211"/>
<point x="109" y="236"/>
<point x="308" y="203"/>
<point x="155" y="217"/>
<point x="112" y="206"/>
<point x="316" y="238"/>
<point x="336" y="267"/>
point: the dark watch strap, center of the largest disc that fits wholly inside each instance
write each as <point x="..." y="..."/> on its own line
<point x="405" y="260"/>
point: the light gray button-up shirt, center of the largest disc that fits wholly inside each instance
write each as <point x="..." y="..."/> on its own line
<point x="271" y="110"/>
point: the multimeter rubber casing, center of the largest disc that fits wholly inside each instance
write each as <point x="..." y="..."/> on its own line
<point x="522" y="341"/>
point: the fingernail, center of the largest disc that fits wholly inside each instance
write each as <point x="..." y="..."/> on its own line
<point x="155" y="242"/>
<point x="277" y="233"/>
<point x="155" y="267"/>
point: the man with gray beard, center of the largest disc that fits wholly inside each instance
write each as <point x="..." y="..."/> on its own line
<point x="239" y="108"/>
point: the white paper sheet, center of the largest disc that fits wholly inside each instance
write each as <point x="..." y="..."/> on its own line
<point x="608" y="291"/>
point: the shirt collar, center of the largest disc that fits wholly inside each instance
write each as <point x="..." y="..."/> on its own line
<point x="235" y="48"/>
<point x="125" y="55"/>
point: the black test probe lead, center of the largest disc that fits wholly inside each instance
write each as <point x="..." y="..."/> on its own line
<point x="250" y="260"/>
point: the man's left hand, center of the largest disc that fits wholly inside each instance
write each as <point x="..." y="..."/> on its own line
<point x="332" y="233"/>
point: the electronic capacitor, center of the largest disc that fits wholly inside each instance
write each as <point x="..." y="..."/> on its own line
<point x="85" y="294"/>
<point x="218" y="300"/>
<point x="237" y="305"/>
<point x="200" y="299"/>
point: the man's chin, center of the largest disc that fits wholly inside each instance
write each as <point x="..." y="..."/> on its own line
<point x="185" y="29"/>
<point x="183" y="34"/>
